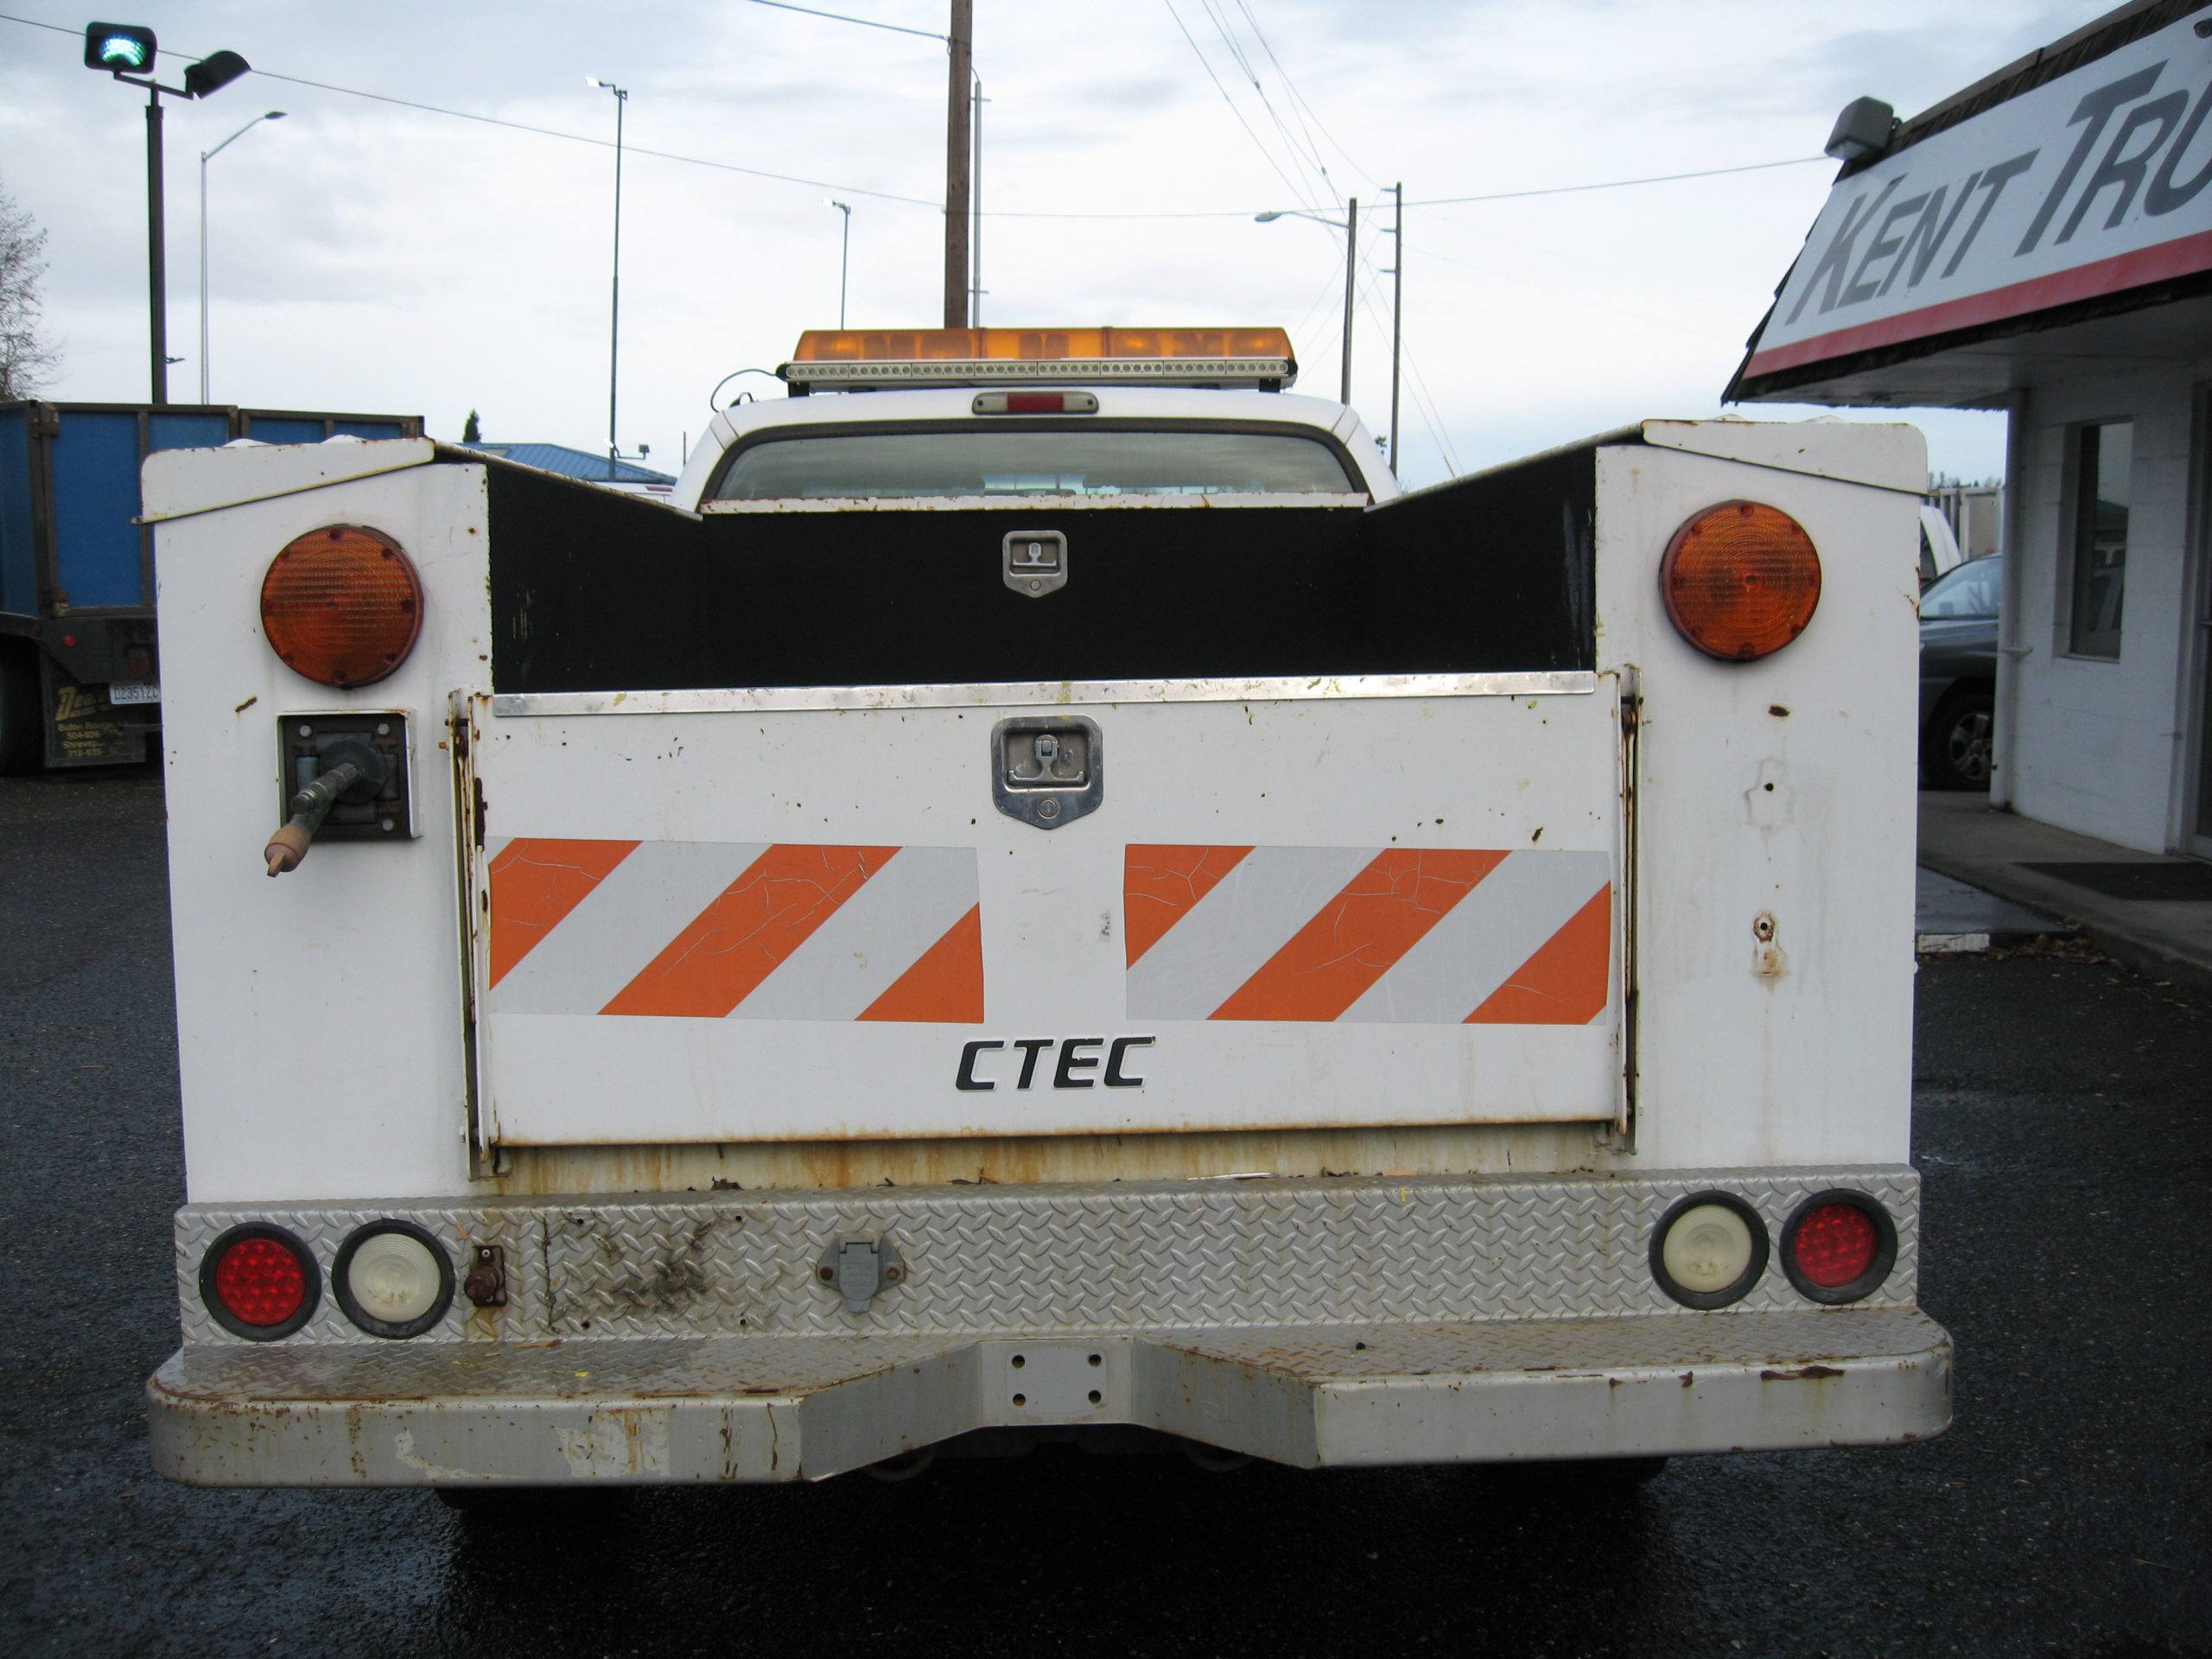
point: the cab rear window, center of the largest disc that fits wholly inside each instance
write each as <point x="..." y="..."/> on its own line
<point x="1000" y="461"/>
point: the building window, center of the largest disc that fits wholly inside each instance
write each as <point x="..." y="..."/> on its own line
<point x="2100" y="496"/>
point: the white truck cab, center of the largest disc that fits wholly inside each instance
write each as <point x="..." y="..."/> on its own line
<point x="1041" y="894"/>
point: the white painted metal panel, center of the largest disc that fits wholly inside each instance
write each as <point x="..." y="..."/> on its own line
<point x="621" y="1005"/>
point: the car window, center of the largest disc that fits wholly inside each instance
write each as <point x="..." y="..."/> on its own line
<point x="1003" y="462"/>
<point x="1968" y="590"/>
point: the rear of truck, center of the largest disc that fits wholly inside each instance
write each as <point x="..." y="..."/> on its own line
<point x="1045" y="896"/>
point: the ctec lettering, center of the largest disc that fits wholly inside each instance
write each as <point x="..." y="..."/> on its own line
<point x="1077" y="1059"/>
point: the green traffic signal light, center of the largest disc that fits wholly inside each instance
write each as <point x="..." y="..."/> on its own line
<point x="118" y="48"/>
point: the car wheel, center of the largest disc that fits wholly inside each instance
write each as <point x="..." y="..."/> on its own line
<point x="1955" y="752"/>
<point x="23" y="710"/>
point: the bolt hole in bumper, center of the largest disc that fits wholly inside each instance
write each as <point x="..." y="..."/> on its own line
<point x="689" y="1337"/>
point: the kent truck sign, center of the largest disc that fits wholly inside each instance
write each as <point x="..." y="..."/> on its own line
<point x="2089" y="185"/>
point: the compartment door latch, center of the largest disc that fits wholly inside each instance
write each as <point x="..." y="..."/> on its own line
<point x="1047" y="772"/>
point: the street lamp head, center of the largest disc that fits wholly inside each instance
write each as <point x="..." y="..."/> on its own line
<point x="274" y="115"/>
<point x="213" y="72"/>
<point x="1267" y="218"/>
<point x="844" y="207"/>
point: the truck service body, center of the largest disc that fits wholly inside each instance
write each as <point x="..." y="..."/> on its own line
<point x="1040" y="893"/>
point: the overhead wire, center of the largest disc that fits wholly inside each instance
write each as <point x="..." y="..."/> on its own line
<point x="541" y="132"/>
<point x="1243" y="63"/>
<point x="1297" y="110"/>
<point x="839" y="17"/>
<point x="1298" y="98"/>
<point x="932" y="204"/>
<point x="1207" y="65"/>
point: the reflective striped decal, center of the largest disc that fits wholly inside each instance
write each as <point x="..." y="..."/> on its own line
<point x="1392" y="935"/>
<point x="715" y="929"/>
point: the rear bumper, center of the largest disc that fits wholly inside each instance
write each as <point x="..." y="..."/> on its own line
<point x="807" y="1408"/>
<point x="691" y="1337"/>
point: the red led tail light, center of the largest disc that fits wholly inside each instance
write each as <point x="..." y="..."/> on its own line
<point x="259" y="1282"/>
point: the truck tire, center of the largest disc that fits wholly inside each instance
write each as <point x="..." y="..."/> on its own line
<point x="1957" y="749"/>
<point x="23" y="714"/>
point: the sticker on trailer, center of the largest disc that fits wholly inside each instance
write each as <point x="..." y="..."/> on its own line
<point x="1397" y="935"/>
<point x="735" y="930"/>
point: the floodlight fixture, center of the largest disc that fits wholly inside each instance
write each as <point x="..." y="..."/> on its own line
<point x="118" y="48"/>
<point x="1864" y="129"/>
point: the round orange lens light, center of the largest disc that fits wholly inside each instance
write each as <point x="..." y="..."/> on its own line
<point x="1740" y="579"/>
<point x="342" y="606"/>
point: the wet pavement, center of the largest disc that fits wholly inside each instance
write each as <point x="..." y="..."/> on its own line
<point x="2062" y="1104"/>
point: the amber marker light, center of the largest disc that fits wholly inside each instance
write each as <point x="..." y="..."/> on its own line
<point x="1740" y="579"/>
<point x="341" y="606"/>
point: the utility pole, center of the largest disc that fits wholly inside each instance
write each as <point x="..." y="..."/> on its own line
<point x="957" y="163"/>
<point x="1397" y="310"/>
<point x="1351" y="267"/>
<point x="975" y="207"/>
<point x="157" y="249"/>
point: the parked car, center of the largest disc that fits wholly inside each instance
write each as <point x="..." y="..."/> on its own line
<point x="1958" y="675"/>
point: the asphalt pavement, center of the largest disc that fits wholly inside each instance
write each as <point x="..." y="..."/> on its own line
<point x="2061" y="1104"/>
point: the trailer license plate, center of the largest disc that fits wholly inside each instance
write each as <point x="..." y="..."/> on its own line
<point x="133" y="691"/>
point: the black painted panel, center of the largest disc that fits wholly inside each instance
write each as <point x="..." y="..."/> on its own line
<point x="594" y="592"/>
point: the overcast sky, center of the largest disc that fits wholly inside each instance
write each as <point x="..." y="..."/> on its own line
<point x="370" y="257"/>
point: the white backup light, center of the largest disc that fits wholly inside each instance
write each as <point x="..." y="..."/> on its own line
<point x="394" y="1277"/>
<point x="1707" y="1249"/>
<point x="393" y="1280"/>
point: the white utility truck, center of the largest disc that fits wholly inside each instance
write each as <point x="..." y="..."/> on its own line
<point x="1040" y="894"/>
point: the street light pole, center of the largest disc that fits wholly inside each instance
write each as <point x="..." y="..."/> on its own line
<point x="206" y="155"/>
<point x="1397" y="309"/>
<point x="156" y="251"/>
<point x="1349" y="225"/>
<point x="1351" y="265"/>
<point x="117" y="49"/>
<point x="844" y="255"/>
<point x="614" y="322"/>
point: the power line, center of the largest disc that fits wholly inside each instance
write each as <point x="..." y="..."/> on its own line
<point x="1298" y="98"/>
<point x="839" y="17"/>
<point x="1243" y="63"/>
<point x="1445" y="202"/>
<point x="1265" y="152"/>
<point x="541" y="132"/>
<point x="932" y="204"/>
<point x="1298" y="109"/>
<point x="1617" y="184"/>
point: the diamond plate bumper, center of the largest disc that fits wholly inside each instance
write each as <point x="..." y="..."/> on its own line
<point x="689" y="1338"/>
<point x="807" y="1408"/>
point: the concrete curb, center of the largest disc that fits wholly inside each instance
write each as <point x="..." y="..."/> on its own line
<point x="2048" y="896"/>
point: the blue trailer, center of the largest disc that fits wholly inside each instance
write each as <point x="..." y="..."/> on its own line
<point x="79" y="659"/>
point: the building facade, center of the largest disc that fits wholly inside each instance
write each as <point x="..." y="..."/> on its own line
<point x="2042" y="242"/>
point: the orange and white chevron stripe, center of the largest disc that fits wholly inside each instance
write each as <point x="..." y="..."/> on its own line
<point x="717" y="930"/>
<point x="1389" y="935"/>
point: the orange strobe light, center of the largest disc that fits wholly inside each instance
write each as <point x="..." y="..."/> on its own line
<point x="342" y="606"/>
<point x="1740" y="579"/>
<point x="1036" y="345"/>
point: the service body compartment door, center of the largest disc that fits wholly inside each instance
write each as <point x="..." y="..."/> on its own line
<point x="715" y="917"/>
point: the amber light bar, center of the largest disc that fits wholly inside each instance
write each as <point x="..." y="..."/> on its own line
<point x="1219" y="357"/>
